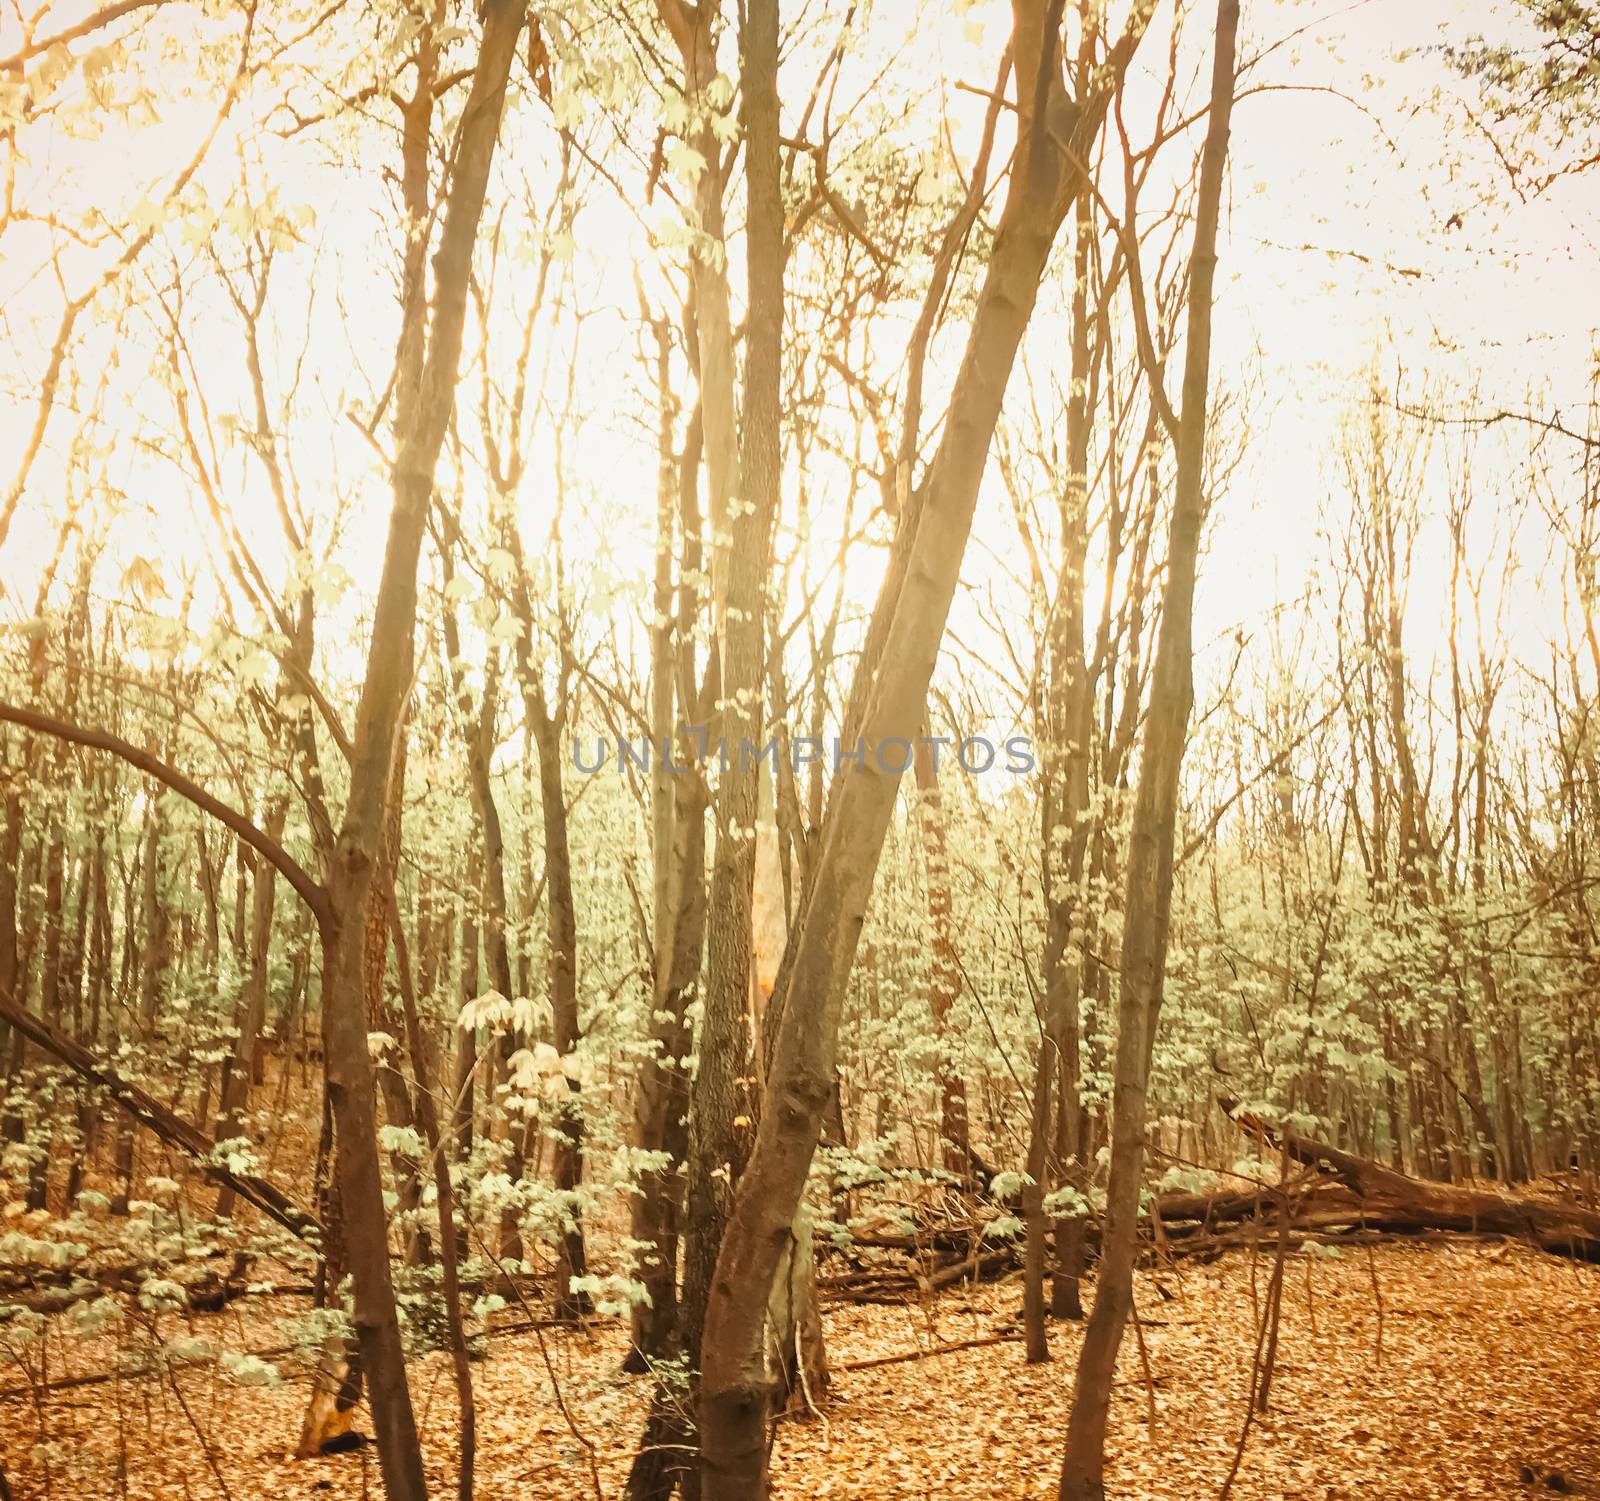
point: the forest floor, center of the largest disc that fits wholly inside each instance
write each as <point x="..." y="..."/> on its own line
<point x="1486" y="1383"/>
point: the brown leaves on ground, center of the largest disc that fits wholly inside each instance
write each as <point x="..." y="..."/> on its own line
<point x="1487" y="1386"/>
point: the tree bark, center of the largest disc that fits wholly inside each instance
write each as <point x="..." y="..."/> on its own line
<point x="421" y="423"/>
<point x="1148" y="901"/>
<point x="1064" y="839"/>
<point x="741" y="565"/>
<point x="734" y="1382"/>
<point x="677" y="837"/>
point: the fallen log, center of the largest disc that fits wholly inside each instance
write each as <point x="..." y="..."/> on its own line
<point x="1226" y="1204"/>
<point x="1341" y="1199"/>
<point x="896" y="1268"/>
<point x="1175" y="1212"/>
<point x="1391" y="1200"/>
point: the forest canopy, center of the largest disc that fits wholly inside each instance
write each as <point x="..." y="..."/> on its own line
<point x="677" y="675"/>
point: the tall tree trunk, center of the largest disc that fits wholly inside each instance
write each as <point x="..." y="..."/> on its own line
<point x="741" y="565"/>
<point x="722" y="1094"/>
<point x="423" y="414"/>
<point x="909" y="622"/>
<point x="677" y="836"/>
<point x="721" y="1047"/>
<point x="1064" y="839"/>
<point x="1148" y="901"/>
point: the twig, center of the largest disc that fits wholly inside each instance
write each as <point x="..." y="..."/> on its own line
<point x="205" y="1446"/>
<point x="1144" y="1362"/>
<point x="950" y="1349"/>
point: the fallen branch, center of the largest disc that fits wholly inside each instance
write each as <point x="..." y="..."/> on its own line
<point x="54" y="1291"/>
<point x="31" y="1392"/>
<point x="171" y="1128"/>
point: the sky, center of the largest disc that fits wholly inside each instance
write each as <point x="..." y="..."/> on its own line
<point x="1365" y="228"/>
<point x="1422" y="265"/>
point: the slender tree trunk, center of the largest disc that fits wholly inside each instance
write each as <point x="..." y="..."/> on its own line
<point x="677" y="804"/>
<point x="916" y="598"/>
<point x="10" y="859"/>
<point x="91" y="951"/>
<point x="154" y="955"/>
<point x="546" y="722"/>
<point x="479" y="731"/>
<point x="1148" y="899"/>
<point x="662" y="1102"/>
<point x="944" y="971"/>
<point x="738" y="573"/>
<point x="421" y="421"/>
<point x="561" y="906"/>
<point x="239" y="1071"/>
<point x="49" y="999"/>
<point x="462" y="1115"/>
<point x="1064" y="841"/>
<point x="741" y="564"/>
<point x="1070" y="1230"/>
<point x="667" y="1458"/>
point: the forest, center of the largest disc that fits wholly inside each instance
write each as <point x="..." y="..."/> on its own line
<point x="826" y="748"/>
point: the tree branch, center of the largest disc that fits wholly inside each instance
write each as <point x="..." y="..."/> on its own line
<point x="103" y="17"/>
<point x="309" y="890"/>
<point x="171" y="1128"/>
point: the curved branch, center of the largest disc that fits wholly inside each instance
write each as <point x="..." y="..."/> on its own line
<point x="101" y="18"/>
<point x="310" y="891"/>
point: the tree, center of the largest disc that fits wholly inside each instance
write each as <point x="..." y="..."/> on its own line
<point x="892" y="684"/>
<point x="1148" y="903"/>
<point x="1543" y="84"/>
